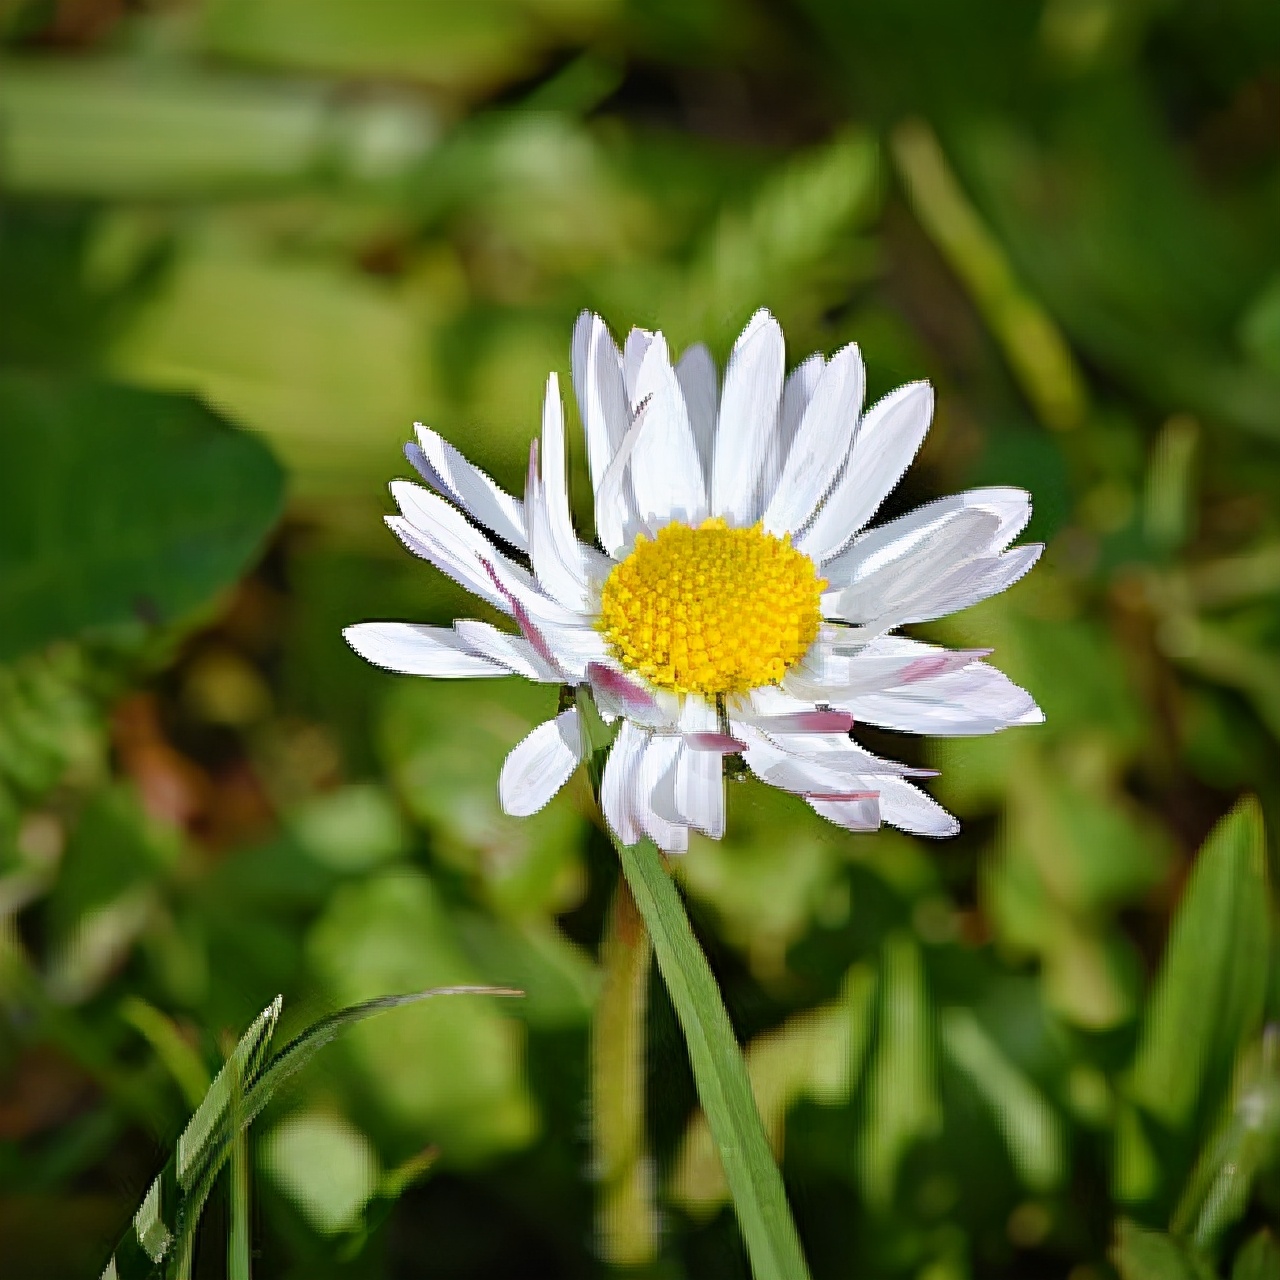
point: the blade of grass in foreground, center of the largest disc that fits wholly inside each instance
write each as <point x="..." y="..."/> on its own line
<point x="719" y="1070"/>
<point x="158" y="1241"/>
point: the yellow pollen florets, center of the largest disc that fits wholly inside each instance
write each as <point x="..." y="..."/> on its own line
<point x="711" y="610"/>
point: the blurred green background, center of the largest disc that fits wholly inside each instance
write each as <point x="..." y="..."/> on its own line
<point x="244" y="243"/>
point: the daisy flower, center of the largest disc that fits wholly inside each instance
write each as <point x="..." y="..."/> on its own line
<point x="737" y="604"/>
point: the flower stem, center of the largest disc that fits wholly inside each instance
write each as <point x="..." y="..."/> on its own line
<point x="628" y="1229"/>
<point x="719" y="1070"/>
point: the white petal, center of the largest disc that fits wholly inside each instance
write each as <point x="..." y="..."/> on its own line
<point x="909" y="809"/>
<point x="699" y="780"/>
<point x="886" y="542"/>
<point x="821" y="444"/>
<point x="978" y="699"/>
<point x="696" y="373"/>
<point x="829" y="674"/>
<point x="618" y="786"/>
<point x="598" y="386"/>
<point x="797" y="391"/>
<point x="474" y="491"/>
<point x="888" y="437"/>
<point x="748" y="419"/>
<point x="969" y="584"/>
<point x="617" y="694"/>
<point x="783" y="769"/>
<point x="666" y="473"/>
<point x="853" y="815"/>
<point x="899" y="589"/>
<point x="575" y="648"/>
<point x="419" y="650"/>
<point x="540" y="765"/>
<point x="655" y="794"/>
<point x="617" y="521"/>
<point x="514" y="652"/>
<point x="444" y="537"/>
<point x="633" y="354"/>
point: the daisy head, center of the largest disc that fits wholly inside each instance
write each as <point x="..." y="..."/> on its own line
<point x="734" y="602"/>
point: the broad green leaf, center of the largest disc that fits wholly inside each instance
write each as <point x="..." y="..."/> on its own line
<point x="119" y="506"/>
<point x="118" y="129"/>
<point x="817" y="1054"/>
<point x="452" y="1074"/>
<point x="1258" y="1258"/>
<point x="1032" y="1130"/>
<point x="903" y="1107"/>
<point x="1142" y="1254"/>
<point x="438" y="41"/>
<point x="325" y="1165"/>
<point x="1246" y="1142"/>
<point x="1207" y="999"/>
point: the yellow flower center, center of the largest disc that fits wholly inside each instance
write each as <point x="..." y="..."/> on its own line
<point x="711" y="610"/>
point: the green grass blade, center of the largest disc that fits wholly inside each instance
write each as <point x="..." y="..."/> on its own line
<point x="718" y="1070"/>
<point x="239" y="1238"/>
<point x="158" y="1241"/>
<point x="173" y="1201"/>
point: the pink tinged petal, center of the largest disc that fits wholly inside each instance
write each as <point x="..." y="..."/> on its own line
<point x="978" y="699"/>
<point x="834" y="673"/>
<point x="537" y="641"/>
<point x="418" y="650"/>
<point x="575" y="648"/>
<point x="618" y="786"/>
<point x="815" y="721"/>
<point x="696" y="374"/>
<point x="887" y="439"/>
<point x="909" y="809"/>
<point x="474" y="491"/>
<point x="514" y="652"/>
<point x="780" y="768"/>
<point x="441" y="534"/>
<point x="888" y="542"/>
<point x="618" y="695"/>
<point x="598" y="386"/>
<point x="560" y="562"/>
<point x="748" y="419"/>
<point x="821" y="444"/>
<point x="719" y="744"/>
<point x="634" y="351"/>
<point x="666" y="472"/>
<point x="853" y="813"/>
<point x="540" y="765"/>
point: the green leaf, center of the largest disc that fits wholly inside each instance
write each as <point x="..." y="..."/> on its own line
<point x="1142" y="1254"/>
<point x="158" y="1240"/>
<point x="120" y="506"/>
<point x="902" y="1088"/>
<point x="1207" y="1000"/>
<point x="1030" y="1127"/>
<point x="1245" y="1143"/>
<point x="1259" y="1259"/>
